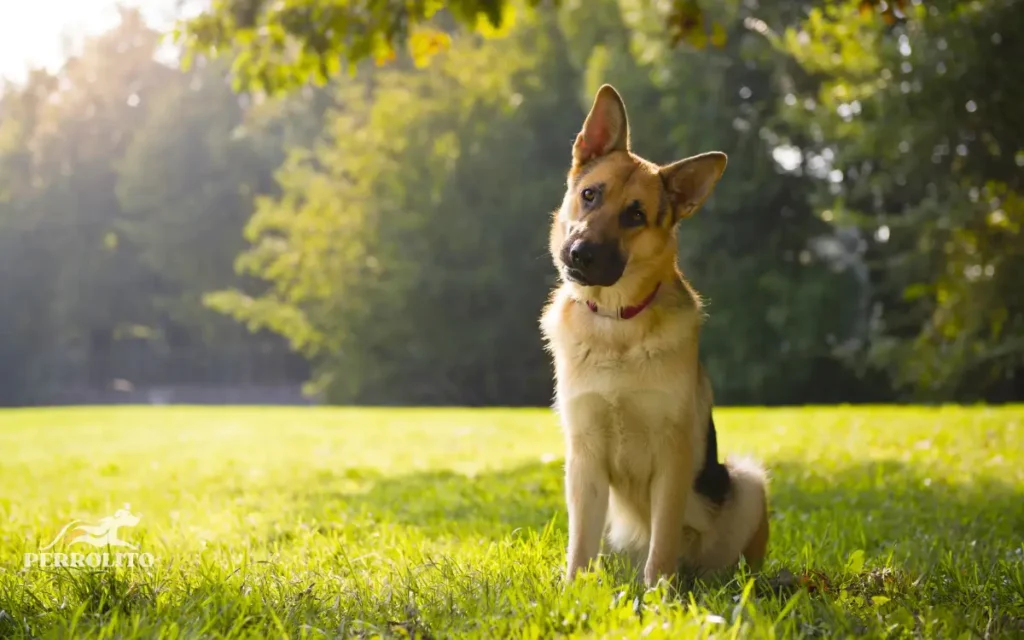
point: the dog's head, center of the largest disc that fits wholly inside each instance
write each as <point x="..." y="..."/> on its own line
<point x="620" y="211"/>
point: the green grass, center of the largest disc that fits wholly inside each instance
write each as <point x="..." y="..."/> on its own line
<point x="271" y="523"/>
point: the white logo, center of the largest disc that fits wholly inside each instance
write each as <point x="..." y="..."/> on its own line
<point x="102" y="535"/>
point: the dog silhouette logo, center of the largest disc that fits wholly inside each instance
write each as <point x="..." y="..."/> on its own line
<point x="102" y="534"/>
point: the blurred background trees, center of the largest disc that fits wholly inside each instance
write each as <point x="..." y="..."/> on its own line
<point x="263" y="217"/>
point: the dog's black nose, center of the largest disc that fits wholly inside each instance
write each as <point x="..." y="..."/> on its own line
<point x="593" y="264"/>
<point x="581" y="254"/>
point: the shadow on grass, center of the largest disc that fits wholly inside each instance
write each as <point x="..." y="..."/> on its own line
<point x="888" y="505"/>
<point x="875" y="529"/>
<point x="878" y="507"/>
<point x="490" y="504"/>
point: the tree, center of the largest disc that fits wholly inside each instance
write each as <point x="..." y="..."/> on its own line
<point x="186" y="185"/>
<point x="406" y="249"/>
<point x="68" y="133"/>
<point x="124" y="187"/>
<point x="27" y="266"/>
<point x="919" y="120"/>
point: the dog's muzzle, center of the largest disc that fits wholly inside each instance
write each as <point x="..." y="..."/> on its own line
<point x="592" y="264"/>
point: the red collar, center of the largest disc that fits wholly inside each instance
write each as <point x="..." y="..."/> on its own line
<point x="625" y="313"/>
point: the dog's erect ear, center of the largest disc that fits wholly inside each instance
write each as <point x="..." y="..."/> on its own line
<point x="606" y="128"/>
<point x="689" y="182"/>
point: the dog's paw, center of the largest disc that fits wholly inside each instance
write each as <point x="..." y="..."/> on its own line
<point x="655" y="572"/>
<point x="572" y="570"/>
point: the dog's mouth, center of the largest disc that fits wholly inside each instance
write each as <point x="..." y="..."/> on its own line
<point x="576" y="276"/>
<point x="604" y="278"/>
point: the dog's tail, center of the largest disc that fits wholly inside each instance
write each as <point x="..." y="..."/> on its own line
<point x="741" y="525"/>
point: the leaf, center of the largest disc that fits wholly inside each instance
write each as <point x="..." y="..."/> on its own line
<point x="505" y="24"/>
<point x="686" y="23"/>
<point x="698" y="39"/>
<point x="916" y="292"/>
<point x="718" y="36"/>
<point x="855" y="563"/>
<point x="384" y="56"/>
<point x="424" y="44"/>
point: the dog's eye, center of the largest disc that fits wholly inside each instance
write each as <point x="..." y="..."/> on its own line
<point x="633" y="216"/>
<point x="588" y="194"/>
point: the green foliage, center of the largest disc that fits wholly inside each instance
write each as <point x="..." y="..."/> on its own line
<point x="406" y="251"/>
<point x="67" y="276"/>
<point x="279" y="46"/>
<point x="188" y="180"/>
<point x="451" y="523"/>
<point x="282" y="45"/>
<point x="921" y="124"/>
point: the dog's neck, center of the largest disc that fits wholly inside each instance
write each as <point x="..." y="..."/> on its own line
<point x="633" y="294"/>
<point x="624" y="313"/>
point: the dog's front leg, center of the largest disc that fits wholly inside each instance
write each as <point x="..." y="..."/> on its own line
<point x="669" y="492"/>
<point x="586" y="493"/>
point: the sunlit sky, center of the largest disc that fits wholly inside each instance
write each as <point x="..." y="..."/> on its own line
<point x="38" y="32"/>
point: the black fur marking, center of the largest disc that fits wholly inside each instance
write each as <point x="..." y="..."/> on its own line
<point x="713" y="481"/>
<point x="632" y="216"/>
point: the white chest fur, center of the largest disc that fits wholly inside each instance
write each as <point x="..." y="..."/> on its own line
<point x="628" y="398"/>
<point x="624" y="388"/>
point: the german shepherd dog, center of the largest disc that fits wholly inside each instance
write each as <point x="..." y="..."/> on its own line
<point x="635" y="404"/>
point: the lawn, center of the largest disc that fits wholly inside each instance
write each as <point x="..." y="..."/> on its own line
<point x="321" y="522"/>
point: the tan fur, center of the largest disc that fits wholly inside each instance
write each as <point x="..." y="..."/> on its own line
<point x="632" y="396"/>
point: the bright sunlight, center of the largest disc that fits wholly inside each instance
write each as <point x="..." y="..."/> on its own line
<point x="43" y="33"/>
